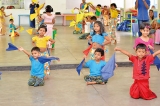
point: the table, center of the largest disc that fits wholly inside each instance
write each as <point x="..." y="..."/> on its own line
<point x="19" y="18"/>
<point x="135" y="29"/>
<point x="65" y="16"/>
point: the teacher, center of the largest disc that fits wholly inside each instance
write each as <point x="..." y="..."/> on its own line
<point x="142" y="6"/>
<point x="32" y="11"/>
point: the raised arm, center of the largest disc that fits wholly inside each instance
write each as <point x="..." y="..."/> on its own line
<point x="156" y="53"/>
<point x="123" y="51"/>
<point x="145" y="3"/>
<point x="136" y="6"/>
<point x="27" y="53"/>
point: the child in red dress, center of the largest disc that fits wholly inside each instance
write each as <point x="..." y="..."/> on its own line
<point x="141" y="67"/>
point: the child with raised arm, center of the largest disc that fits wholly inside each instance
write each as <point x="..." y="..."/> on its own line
<point x="37" y="68"/>
<point x="95" y="67"/>
<point x="41" y="41"/>
<point x="13" y="27"/>
<point x="141" y="67"/>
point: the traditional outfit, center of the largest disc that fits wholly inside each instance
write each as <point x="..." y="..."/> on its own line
<point x="140" y="87"/>
<point x="113" y="23"/>
<point x="2" y="23"/>
<point x="105" y="16"/>
<point x="42" y="43"/>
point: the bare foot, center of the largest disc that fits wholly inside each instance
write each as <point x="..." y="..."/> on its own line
<point x="46" y="77"/>
<point x="91" y="83"/>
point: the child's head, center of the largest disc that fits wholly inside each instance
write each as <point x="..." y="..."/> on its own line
<point x="42" y="29"/>
<point x="93" y="19"/>
<point x="99" y="27"/>
<point x="98" y="54"/>
<point x="105" y="7"/>
<point x="37" y="5"/>
<point x="159" y="15"/>
<point x="113" y="6"/>
<point x="141" y="50"/>
<point x="11" y="21"/>
<point x="151" y="14"/>
<point x="145" y="28"/>
<point x="49" y="9"/>
<point x="99" y="6"/>
<point x="35" y="52"/>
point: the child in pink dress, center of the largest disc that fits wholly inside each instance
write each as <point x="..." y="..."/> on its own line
<point x="157" y="34"/>
<point x="49" y="20"/>
<point x="144" y="39"/>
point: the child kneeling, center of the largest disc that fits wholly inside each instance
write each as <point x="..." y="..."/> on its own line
<point x="37" y="68"/>
<point x="95" y="67"/>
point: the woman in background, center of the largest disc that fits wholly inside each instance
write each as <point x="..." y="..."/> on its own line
<point x="2" y="21"/>
<point x="32" y="7"/>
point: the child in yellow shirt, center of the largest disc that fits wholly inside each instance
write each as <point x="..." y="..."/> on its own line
<point x="113" y="21"/>
<point x="41" y="42"/>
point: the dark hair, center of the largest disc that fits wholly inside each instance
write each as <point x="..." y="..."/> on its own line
<point x="2" y="7"/>
<point x="141" y="46"/>
<point x="105" y="6"/>
<point x="102" y="29"/>
<point x="49" y="8"/>
<point x="114" y="5"/>
<point x="44" y="12"/>
<point x="37" y="5"/>
<point x="99" y="5"/>
<point x="153" y="14"/>
<point x="43" y="26"/>
<point x="94" y="18"/>
<point x="145" y="25"/>
<point x="35" y="49"/>
<point x="100" y="51"/>
<point x="10" y="19"/>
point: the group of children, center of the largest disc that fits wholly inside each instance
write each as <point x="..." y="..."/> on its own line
<point x="97" y="39"/>
<point x="104" y="15"/>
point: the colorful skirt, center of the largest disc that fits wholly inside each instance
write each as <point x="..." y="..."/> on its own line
<point x="157" y="36"/>
<point x="112" y="25"/>
<point x="46" y="65"/>
<point x="97" y="79"/>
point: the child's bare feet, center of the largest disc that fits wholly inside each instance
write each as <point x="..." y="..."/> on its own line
<point x="46" y="77"/>
<point x="91" y="83"/>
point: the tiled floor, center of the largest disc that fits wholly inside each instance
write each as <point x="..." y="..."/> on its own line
<point x="68" y="48"/>
<point x="66" y="88"/>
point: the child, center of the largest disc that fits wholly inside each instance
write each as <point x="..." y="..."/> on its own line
<point x="141" y="67"/>
<point x="13" y="27"/>
<point x="93" y="20"/>
<point x="37" y="68"/>
<point x="49" y="20"/>
<point x="113" y="21"/>
<point x="145" y="30"/>
<point x="41" y="42"/>
<point x="157" y="34"/>
<point x="105" y="14"/>
<point x="98" y="38"/>
<point x="86" y="28"/>
<point x="42" y="22"/>
<point x="95" y="67"/>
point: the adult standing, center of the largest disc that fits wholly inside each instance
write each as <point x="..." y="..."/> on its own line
<point x="2" y="21"/>
<point x="142" y="6"/>
<point x="32" y="7"/>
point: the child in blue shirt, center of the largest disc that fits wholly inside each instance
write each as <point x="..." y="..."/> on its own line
<point x="13" y="27"/>
<point x="37" y="68"/>
<point x="95" y="67"/>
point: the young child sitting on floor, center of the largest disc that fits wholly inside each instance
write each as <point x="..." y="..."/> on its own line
<point x="95" y="67"/>
<point x="141" y="67"/>
<point x="37" y="68"/>
<point x="13" y="27"/>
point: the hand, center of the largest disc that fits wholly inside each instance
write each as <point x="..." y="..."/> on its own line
<point x="150" y="47"/>
<point x="117" y="49"/>
<point x="20" y="49"/>
<point x="85" y="57"/>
